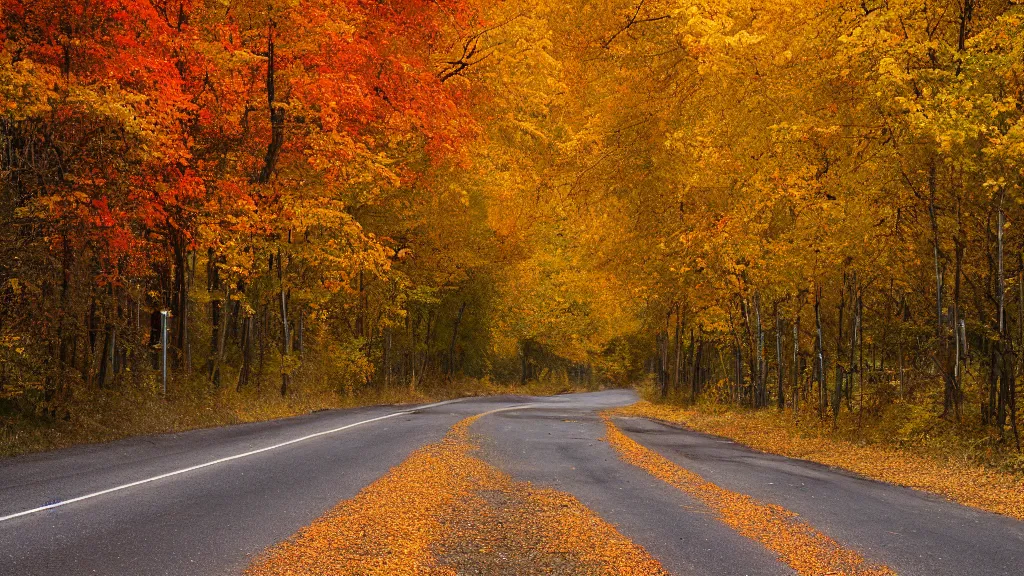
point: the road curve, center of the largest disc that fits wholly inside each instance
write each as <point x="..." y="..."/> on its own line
<point x="216" y="519"/>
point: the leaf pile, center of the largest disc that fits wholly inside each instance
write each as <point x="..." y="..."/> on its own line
<point x="444" y="512"/>
<point x="797" y="543"/>
<point x="962" y="482"/>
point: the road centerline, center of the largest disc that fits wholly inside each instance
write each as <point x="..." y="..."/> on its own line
<point x="60" y="503"/>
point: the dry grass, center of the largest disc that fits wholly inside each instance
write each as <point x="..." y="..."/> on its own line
<point x="111" y="414"/>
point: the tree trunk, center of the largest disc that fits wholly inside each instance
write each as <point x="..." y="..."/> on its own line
<point x="524" y="374"/>
<point x="936" y="252"/>
<point x="840" y="378"/>
<point x="387" y="357"/>
<point x="107" y="355"/>
<point x="264" y="326"/>
<point x="822" y="391"/>
<point x="662" y="369"/>
<point x="762" y="391"/>
<point x="243" y="373"/>
<point x="854" y="335"/>
<point x="696" y="348"/>
<point x="993" y="383"/>
<point x="427" y="338"/>
<point x="286" y="337"/>
<point x="738" y="391"/>
<point x="218" y="353"/>
<point x="796" y="360"/>
<point x="300" y="335"/>
<point x="455" y="334"/>
<point x="747" y="393"/>
<point x="779" y="381"/>
<point x="860" y="348"/>
<point x="361" y="315"/>
<point x="678" y="354"/>
<point x="276" y="112"/>
<point x="180" y="301"/>
<point x="213" y="288"/>
<point x="953" y="397"/>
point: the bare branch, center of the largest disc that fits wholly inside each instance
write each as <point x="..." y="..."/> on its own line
<point x="631" y="21"/>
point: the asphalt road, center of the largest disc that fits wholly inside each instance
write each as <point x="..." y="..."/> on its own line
<point x="215" y="519"/>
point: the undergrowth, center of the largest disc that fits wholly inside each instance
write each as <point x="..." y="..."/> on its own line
<point x="915" y="424"/>
<point x="899" y="442"/>
<point x="101" y="415"/>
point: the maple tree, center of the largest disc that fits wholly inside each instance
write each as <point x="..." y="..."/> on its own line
<point x="810" y="205"/>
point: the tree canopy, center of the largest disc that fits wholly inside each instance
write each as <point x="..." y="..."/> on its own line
<point x="767" y="202"/>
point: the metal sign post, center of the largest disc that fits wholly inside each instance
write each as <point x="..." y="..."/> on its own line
<point x="163" y="349"/>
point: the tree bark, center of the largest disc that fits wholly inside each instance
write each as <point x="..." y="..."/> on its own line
<point x="953" y="395"/>
<point x="762" y="390"/>
<point x="796" y="360"/>
<point x="213" y="288"/>
<point x="286" y="337"/>
<point x="854" y="335"/>
<point x="696" y="349"/>
<point x="222" y="334"/>
<point x="276" y="112"/>
<point x="180" y="301"/>
<point x="676" y="371"/>
<point x="840" y="377"/>
<point x="243" y="373"/>
<point x="455" y="334"/>
<point x="107" y="355"/>
<point x="822" y="391"/>
<point x="781" y="393"/>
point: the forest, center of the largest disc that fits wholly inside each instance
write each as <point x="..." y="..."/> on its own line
<point x="808" y="206"/>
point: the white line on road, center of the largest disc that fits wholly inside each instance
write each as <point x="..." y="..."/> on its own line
<point x="509" y="409"/>
<point x="218" y="461"/>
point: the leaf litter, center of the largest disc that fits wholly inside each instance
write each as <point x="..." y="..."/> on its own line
<point x="797" y="543"/>
<point x="445" y="512"/>
<point x="961" y="482"/>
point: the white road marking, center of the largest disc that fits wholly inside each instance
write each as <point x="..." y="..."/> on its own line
<point x="496" y="410"/>
<point x="218" y="461"/>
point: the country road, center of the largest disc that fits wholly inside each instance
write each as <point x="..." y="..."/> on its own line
<point x="208" y="502"/>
